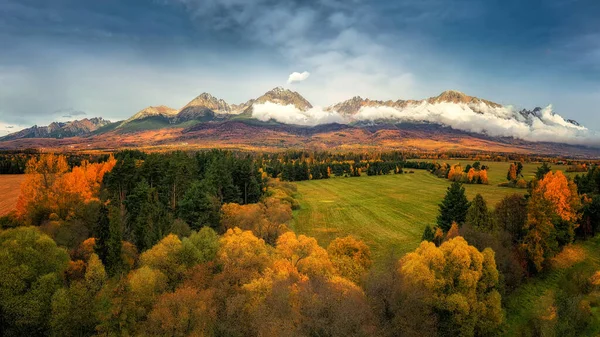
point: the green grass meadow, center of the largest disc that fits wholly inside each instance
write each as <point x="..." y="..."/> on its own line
<point x="388" y="212"/>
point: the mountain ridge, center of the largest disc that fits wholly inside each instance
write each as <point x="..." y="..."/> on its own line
<point x="356" y="112"/>
<point x="68" y="129"/>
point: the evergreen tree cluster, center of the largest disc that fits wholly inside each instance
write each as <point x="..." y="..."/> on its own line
<point x="148" y="192"/>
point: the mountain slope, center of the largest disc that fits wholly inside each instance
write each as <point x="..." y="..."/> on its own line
<point x="74" y="128"/>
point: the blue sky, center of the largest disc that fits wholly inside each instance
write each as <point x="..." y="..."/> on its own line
<point x="112" y="58"/>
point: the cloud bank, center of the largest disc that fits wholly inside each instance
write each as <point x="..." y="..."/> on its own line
<point x="289" y="114"/>
<point x="298" y="77"/>
<point x="541" y="126"/>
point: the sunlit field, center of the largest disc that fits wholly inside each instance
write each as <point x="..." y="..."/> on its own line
<point x="10" y="187"/>
<point x="387" y="212"/>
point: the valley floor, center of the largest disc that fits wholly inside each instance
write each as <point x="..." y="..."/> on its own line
<point x="388" y="212"/>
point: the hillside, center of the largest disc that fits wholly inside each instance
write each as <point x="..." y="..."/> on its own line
<point x="451" y="121"/>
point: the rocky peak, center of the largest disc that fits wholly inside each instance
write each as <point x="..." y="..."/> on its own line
<point x="283" y="96"/>
<point x="353" y="105"/>
<point x="207" y="101"/>
<point x="152" y="111"/>
<point x="455" y="96"/>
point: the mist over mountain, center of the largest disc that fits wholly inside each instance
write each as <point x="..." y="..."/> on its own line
<point x="451" y="108"/>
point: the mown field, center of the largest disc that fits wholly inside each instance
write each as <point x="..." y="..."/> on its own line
<point x="10" y="187"/>
<point x="388" y="212"/>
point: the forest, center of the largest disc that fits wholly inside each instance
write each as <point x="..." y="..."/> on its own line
<point x="201" y="244"/>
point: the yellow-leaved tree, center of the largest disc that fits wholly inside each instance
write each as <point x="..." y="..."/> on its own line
<point x="457" y="285"/>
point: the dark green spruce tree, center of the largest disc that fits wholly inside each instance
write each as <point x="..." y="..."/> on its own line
<point x="454" y="207"/>
<point x="428" y="234"/>
<point x="542" y="171"/>
<point x="109" y="241"/>
<point x="478" y="214"/>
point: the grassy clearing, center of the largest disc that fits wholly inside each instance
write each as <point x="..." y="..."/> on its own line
<point x="387" y="212"/>
<point x="521" y="304"/>
<point x="10" y="187"/>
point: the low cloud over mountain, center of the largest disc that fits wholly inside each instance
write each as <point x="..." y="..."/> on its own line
<point x="450" y="109"/>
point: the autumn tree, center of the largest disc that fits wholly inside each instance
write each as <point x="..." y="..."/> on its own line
<point x="73" y="307"/>
<point x="305" y="254"/>
<point x="552" y="216"/>
<point x="454" y="207"/>
<point x="478" y="214"/>
<point x="456" y="173"/>
<point x="173" y="257"/>
<point x="266" y="220"/>
<point x="459" y="285"/>
<point x="31" y="270"/>
<point x="39" y="189"/>
<point x="49" y="187"/>
<point x="453" y="231"/>
<point x="483" y="177"/>
<point x="350" y="257"/>
<point x="471" y="175"/>
<point x="512" y="173"/>
<point x="243" y="256"/>
<point x="185" y="312"/>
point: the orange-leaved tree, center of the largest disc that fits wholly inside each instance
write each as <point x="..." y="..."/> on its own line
<point x="49" y="187"/>
<point x="39" y="189"/>
<point x="552" y="215"/>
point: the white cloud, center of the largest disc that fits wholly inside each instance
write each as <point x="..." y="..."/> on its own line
<point x="478" y="118"/>
<point x="289" y="114"/>
<point x="298" y="77"/>
<point x="497" y="122"/>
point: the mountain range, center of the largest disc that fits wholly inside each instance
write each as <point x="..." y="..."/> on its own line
<point x="282" y="118"/>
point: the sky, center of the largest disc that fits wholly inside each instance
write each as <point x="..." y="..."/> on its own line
<point x="70" y="59"/>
